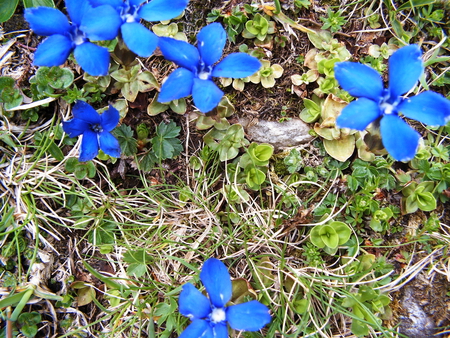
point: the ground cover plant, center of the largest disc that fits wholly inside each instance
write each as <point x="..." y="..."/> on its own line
<point x="137" y="200"/>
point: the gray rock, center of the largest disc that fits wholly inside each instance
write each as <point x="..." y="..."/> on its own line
<point x="290" y="133"/>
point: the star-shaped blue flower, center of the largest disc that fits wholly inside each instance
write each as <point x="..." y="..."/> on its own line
<point x="210" y="316"/>
<point x="96" y="130"/>
<point x="383" y="105"/>
<point x="197" y="67"/>
<point x="139" y="39"/>
<point x="64" y="37"/>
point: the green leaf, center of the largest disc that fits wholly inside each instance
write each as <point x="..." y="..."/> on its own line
<point x="29" y="330"/>
<point x="148" y="161"/>
<point x="29" y="318"/>
<point x="103" y="234"/>
<point x="315" y="236"/>
<point x="71" y="164"/>
<point x="165" y="144"/>
<point x="359" y="328"/>
<point x="7" y="9"/>
<point x="254" y="178"/>
<point x="342" y="230"/>
<point x="260" y="153"/>
<point x="329" y="236"/>
<point x="136" y="270"/>
<point x="127" y="142"/>
<point x="169" y="130"/>
<point x="138" y="261"/>
<point x="415" y="3"/>
<point x="426" y="201"/>
<point x="37" y="3"/>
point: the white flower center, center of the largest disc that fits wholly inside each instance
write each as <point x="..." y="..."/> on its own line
<point x="218" y="315"/>
<point x="203" y="75"/>
<point x="387" y="108"/>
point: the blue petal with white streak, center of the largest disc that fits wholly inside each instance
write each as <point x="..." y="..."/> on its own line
<point x="161" y="10"/>
<point x="217" y="281"/>
<point x="210" y="42"/>
<point x="249" y="316"/>
<point x="428" y="107"/>
<point x="237" y="65"/>
<point x="53" y="51"/>
<point x="405" y="68"/>
<point x="101" y="23"/>
<point x="206" y="95"/>
<point x="77" y="9"/>
<point x="359" y="80"/>
<point x="399" y="139"/>
<point x="193" y="304"/>
<point x="180" y="52"/>
<point x="92" y="58"/>
<point x="47" y="21"/>
<point x="358" y="114"/>
<point x="178" y="84"/>
<point x="139" y="39"/>
<point x="198" y="329"/>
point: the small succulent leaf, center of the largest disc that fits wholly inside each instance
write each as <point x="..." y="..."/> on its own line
<point x="359" y="328"/>
<point x="147" y="82"/>
<point x="315" y="237"/>
<point x="341" y="149"/>
<point x="426" y="201"/>
<point x="329" y="236"/>
<point x="343" y="231"/>
<point x="241" y="289"/>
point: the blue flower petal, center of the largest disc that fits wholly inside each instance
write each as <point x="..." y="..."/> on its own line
<point x="136" y="2"/>
<point x="47" y="21"/>
<point x="92" y="58"/>
<point x="192" y="303"/>
<point x="250" y="316"/>
<point x="198" y="329"/>
<point x="206" y="95"/>
<point x="211" y="40"/>
<point x="180" y="52"/>
<point x="83" y="111"/>
<point x="399" y="139"/>
<point x="109" y="144"/>
<point x="53" y="51"/>
<point x="139" y="39"/>
<point x="237" y="65"/>
<point x="359" y="80"/>
<point x="428" y="107"/>
<point x="405" y="68"/>
<point x="358" y="114"/>
<point x="160" y="10"/>
<point x="114" y="3"/>
<point x="89" y="146"/>
<point x="177" y="85"/>
<point x="77" y="9"/>
<point x="75" y="127"/>
<point x="220" y="330"/>
<point x="217" y="281"/>
<point x="101" y="23"/>
<point x="110" y="118"/>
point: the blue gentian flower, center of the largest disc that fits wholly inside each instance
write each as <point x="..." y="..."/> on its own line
<point x="210" y="316"/>
<point x="96" y="130"/>
<point x="197" y="67"/>
<point x="64" y="37"/>
<point x="383" y="105"/>
<point x="139" y="39"/>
